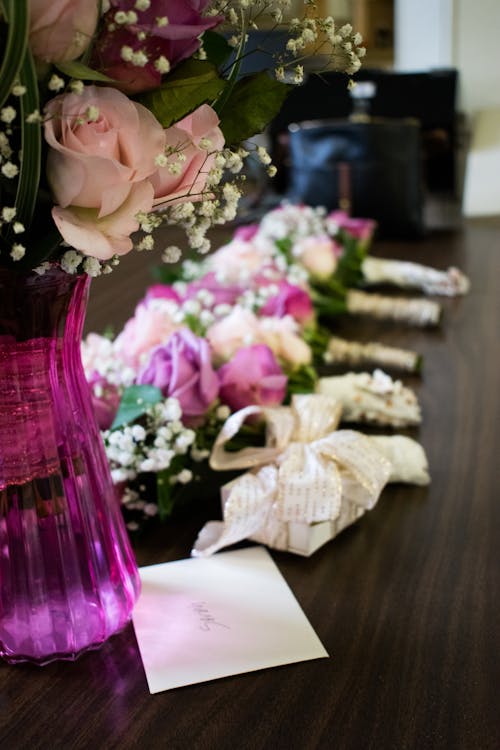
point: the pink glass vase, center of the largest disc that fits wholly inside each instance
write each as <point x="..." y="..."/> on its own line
<point x="68" y="577"/>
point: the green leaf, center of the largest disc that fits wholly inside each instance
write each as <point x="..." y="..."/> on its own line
<point x="349" y="269"/>
<point x="216" y="48"/>
<point x="31" y="140"/>
<point x="17" y="14"/>
<point x="192" y="84"/>
<point x="75" y="69"/>
<point x="252" y="104"/>
<point x="165" y="491"/>
<point x="136" y="400"/>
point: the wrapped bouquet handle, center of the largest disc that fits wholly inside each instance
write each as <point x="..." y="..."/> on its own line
<point x="308" y="472"/>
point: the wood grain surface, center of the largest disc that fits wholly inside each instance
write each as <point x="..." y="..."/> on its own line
<point x="406" y="601"/>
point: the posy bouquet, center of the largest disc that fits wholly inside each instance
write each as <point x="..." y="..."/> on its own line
<point x="117" y="116"/>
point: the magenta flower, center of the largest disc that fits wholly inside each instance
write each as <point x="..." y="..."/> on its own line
<point x="161" y="291"/>
<point x="175" y="39"/>
<point x="361" y="229"/>
<point x="105" y="404"/>
<point x="223" y="294"/>
<point x="289" y="300"/>
<point x="183" y="369"/>
<point x="246" y="233"/>
<point x="252" y="376"/>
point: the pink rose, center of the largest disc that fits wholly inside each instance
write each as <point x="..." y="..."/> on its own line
<point x="318" y="255"/>
<point x="152" y="324"/>
<point x="175" y="40"/>
<point x="282" y="335"/>
<point x="97" y="167"/>
<point x="360" y="229"/>
<point x="61" y="29"/>
<point x="232" y="332"/>
<point x="222" y="294"/>
<point x="252" y="376"/>
<point x="186" y="137"/>
<point x="288" y="300"/>
<point x="183" y="369"/>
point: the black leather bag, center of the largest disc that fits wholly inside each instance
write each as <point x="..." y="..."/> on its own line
<point x="373" y="168"/>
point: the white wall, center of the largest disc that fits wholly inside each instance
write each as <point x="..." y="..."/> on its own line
<point x="477" y="53"/>
<point x="422" y="34"/>
<point x="453" y="33"/>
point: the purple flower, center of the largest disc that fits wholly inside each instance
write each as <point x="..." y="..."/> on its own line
<point x="183" y="369"/>
<point x="176" y="39"/>
<point x="252" y="376"/>
<point x="289" y="300"/>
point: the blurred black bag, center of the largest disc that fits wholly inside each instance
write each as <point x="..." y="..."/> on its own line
<point x="372" y="169"/>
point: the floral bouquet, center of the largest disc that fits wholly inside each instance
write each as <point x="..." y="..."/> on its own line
<point x="115" y="118"/>
<point x="121" y="115"/>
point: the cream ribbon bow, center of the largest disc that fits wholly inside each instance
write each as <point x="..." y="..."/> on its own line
<point x="309" y="472"/>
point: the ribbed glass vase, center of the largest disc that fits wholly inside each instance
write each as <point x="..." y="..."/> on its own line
<point x="68" y="577"/>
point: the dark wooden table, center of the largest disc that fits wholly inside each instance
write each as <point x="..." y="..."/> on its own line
<point x="406" y="601"/>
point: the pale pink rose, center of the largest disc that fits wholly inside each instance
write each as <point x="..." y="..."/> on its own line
<point x="61" y="29"/>
<point x="238" y="329"/>
<point x="239" y="259"/>
<point x="282" y="335"/>
<point x="318" y="255"/>
<point x="107" y="236"/>
<point x="152" y="325"/>
<point x="99" y="164"/>
<point x="242" y="328"/>
<point x="185" y="138"/>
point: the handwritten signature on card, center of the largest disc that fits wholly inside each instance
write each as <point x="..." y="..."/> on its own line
<point x="206" y="620"/>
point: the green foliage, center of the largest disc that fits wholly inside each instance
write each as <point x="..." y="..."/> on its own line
<point x="31" y="145"/>
<point x="251" y="105"/>
<point x="17" y="14"/>
<point x="216" y="48"/>
<point x="302" y="380"/>
<point x="135" y="401"/>
<point x="76" y="69"/>
<point x="192" y="84"/>
<point x="349" y="269"/>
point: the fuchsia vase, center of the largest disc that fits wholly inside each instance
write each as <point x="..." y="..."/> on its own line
<point x="68" y="577"/>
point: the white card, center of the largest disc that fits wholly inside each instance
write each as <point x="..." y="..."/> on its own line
<point x="204" y="618"/>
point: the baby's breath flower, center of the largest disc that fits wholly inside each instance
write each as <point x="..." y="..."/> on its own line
<point x="18" y="227"/>
<point x="162" y="65"/>
<point x="56" y="83"/>
<point x="8" y="114"/>
<point x="171" y="254"/>
<point x="91" y="266"/>
<point x="34" y="117"/>
<point x="17" y="252"/>
<point x="10" y="170"/>
<point x="70" y="261"/>
<point x="76" y="87"/>
<point x="8" y="213"/>
<point x="19" y="90"/>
